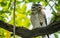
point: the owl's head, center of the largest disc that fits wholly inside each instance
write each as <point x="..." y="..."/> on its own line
<point x="37" y="7"/>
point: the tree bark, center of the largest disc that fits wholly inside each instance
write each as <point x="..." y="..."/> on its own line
<point x="26" y="33"/>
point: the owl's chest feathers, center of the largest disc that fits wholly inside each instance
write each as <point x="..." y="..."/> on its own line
<point x="35" y="16"/>
<point x="39" y="17"/>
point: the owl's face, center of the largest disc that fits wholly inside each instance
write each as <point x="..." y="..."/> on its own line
<point x="36" y="8"/>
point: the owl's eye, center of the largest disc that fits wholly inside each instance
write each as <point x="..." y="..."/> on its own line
<point x="39" y="6"/>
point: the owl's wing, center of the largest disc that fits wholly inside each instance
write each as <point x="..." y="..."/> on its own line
<point x="42" y="18"/>
<point x="45" y="19"/>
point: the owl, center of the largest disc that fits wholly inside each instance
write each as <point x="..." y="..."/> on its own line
<point x="38" y="17"/>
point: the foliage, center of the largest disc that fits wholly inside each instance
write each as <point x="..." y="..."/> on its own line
<point x="7" y="10"/>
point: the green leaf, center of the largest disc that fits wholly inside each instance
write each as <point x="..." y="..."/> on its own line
<point x="38" y="37"/>
<point x="56" y="36"/>
<point x="3" y="3"/>
<point x="34" y="1"/>
<point x="30" y="0"/>
<point x="58" y="32"/>
<point x="26" y="1"/>
<point x="52" y="18"/>
<point x="54" y="13"/>
<point x="44" y="3"/>
<point x="57" y="7"/>
<point x="39" y="0"/>
<point x="1" y="33"/>
<point x="58" y="19"/>
<point x="23" y="9"/>
<point x="58" y="2"/>
<point x="28" y="12"/>
<point x="55" y="17"/>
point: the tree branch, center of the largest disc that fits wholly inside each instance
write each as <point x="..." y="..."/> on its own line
<point x="51" y="28"/>
<point x="26" y="33"/>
